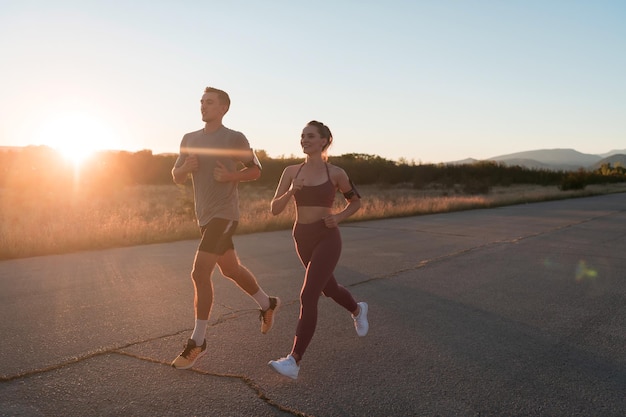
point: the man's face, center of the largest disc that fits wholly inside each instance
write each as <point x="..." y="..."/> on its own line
<point x="211" y="108"/>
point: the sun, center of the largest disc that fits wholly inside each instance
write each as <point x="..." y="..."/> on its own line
<point x="75" y="134"/>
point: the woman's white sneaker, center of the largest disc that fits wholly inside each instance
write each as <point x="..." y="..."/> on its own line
<point x="286" y="366"/>
<point x="360" y="322"/>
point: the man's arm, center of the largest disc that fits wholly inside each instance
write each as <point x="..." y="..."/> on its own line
<point x="180" y="174"/>
<point x="248" y="173"/>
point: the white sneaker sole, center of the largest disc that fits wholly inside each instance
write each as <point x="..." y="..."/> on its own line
<point x="276" y="369"/>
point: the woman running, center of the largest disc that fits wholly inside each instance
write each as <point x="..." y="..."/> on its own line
<point x="313" y="184"/>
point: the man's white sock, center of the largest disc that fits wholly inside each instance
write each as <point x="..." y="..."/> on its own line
<point x="262" y="299"/>
<point x="199" y="332"/>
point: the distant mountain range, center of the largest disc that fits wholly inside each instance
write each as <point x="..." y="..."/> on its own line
<point x="556" y="159"/>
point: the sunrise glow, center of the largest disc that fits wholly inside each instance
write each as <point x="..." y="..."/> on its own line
<point x="76" y="135"/>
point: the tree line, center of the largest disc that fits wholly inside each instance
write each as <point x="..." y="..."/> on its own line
<point x="42" y="168"/>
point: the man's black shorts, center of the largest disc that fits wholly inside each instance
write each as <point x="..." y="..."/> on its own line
<point x="217" y="236"/>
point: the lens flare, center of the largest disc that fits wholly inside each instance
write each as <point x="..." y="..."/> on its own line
<point x="585" y="272"/>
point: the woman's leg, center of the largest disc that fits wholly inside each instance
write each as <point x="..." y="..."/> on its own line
<point x="340" y="295"/>
<point x="320" y="258"/>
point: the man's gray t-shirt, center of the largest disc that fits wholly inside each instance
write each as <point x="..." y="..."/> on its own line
<point x="214" y="199"/>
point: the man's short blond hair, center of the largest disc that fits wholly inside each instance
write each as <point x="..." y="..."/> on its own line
<point x="222" y="95"/>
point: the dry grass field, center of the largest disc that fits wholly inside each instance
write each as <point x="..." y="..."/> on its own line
<point x="42" y="223"/>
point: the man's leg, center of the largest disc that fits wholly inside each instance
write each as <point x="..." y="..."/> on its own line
<point x="231" y="268"/>
<point x="203" y="266"/>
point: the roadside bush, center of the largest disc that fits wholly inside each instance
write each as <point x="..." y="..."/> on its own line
<point x="476" y="186"/>
<point x="573" y="181"/>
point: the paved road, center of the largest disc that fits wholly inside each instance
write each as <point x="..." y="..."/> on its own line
<point x="515" y="311"/>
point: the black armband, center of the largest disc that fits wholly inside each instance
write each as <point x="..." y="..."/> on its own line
<point x="353" y="192"/>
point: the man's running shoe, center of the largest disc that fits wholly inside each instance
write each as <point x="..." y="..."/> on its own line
<point x="267" y="316"/>
<point x="190" y="355"/>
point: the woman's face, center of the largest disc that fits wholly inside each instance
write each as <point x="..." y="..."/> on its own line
<point x="311" y="141"/>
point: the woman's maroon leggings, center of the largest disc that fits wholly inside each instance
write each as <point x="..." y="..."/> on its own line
<point x="319" y="248"/>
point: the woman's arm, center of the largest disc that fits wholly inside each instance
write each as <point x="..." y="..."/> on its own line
<point x="283" y="193"/>
<point x="353" y="199"/>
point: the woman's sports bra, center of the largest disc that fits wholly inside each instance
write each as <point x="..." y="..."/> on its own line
<point x="322" y="195"/>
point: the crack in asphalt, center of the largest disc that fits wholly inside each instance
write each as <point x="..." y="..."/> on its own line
<point x="246" y="380"/>
<point x="120" y="351"/>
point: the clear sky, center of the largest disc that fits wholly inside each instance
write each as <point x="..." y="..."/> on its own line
<point x="426" y="81"/>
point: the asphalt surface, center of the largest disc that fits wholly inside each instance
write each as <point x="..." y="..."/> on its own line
<point x="514" y="311"/>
